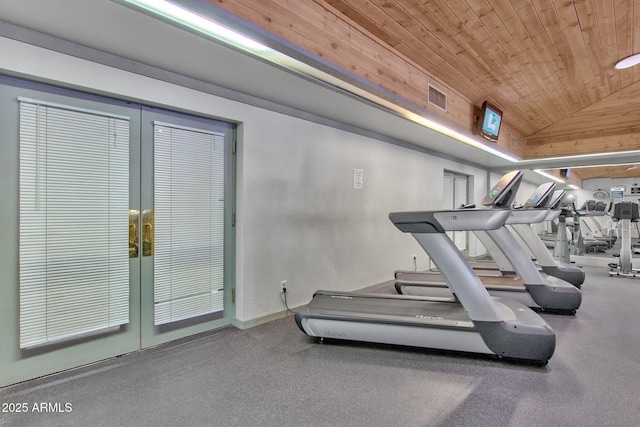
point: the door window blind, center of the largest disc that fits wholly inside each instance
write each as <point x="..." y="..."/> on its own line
<point x="74" y="207"/>
<point x="189" y="222"/>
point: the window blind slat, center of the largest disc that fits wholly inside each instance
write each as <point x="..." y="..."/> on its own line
<point x="189" y="222"/>
<point x="74" y="202"/>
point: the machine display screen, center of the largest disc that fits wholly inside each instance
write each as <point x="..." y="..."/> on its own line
<point x="504" y="191"/>
<point x="541" y="195"/>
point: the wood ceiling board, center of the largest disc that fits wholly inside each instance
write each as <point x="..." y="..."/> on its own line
<point x="570" y="26"/>
<point x="621" y="171"/>
<point x="421" y="48"/>
<point x="617" y="114"/>
<point x="542" y="61"/>
<point x="73" y="26"/>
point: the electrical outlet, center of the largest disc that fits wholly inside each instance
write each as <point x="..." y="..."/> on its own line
<point x="283" y="286"/>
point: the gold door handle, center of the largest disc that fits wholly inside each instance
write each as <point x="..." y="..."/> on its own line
<point x="133" y="233"/>
<point x="147" y="233"/>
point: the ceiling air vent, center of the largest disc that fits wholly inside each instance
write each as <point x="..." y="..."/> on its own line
<point x="438" y="98"/>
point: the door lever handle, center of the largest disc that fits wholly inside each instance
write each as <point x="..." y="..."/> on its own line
<point x="147" y="233"/>
<point x="134" y="238"/>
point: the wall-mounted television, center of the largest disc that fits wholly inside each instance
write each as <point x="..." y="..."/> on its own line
<point x="490" y="121"/>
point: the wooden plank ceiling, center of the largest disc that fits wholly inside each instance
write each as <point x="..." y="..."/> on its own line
<point x="547" y="63"/>
<point x="617" y="171"/>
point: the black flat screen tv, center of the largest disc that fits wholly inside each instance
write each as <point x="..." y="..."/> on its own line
<point x="490" y="121"/>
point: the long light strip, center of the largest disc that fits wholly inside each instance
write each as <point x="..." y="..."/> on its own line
<point x="599" y="165"/>
<point x="460" y="137"/>
<point x="549" y="176"/>
<point x="201" y="24"/>
<point x="212" y="29"/>
<point x="582" y="156"/>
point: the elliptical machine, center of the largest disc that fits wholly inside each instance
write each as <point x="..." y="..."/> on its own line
<point x="626" y="212"/>
<point x="562" y="249"/>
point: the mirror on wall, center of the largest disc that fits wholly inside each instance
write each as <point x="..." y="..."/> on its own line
<point x="604" y="182"/>
<point x="593" y="191"/>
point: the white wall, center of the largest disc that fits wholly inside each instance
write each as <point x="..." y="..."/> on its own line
<point x="606" y="184"/>
<point x="302" y="220"/>
<point x="298" y="216"/>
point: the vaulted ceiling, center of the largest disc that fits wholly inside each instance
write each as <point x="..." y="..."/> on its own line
<point x="549" y="64"/>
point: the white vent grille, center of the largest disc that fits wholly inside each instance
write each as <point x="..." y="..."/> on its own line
<point x="437" y="98"/>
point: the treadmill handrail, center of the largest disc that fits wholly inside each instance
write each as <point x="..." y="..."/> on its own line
<point x="553" y="214"/>
<point x="460" y="277"/>
<point x="527" y="216"/>
<point x="518" y="258"/>
<point x="450" y="220"/>
<point x="539" y="250"/>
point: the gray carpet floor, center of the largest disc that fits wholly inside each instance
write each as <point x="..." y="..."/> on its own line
<point x="274" y="375"/>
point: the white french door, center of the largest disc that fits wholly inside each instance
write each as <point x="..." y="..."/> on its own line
<point x="118" y="228"/>
<point x="186" y="223"/>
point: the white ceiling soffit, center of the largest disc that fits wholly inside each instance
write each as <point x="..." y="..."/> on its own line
<point x="127" y="34"/>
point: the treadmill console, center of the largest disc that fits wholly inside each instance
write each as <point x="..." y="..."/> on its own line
<point x="535" y="208"/>
<point x="556" y="199"/>
<point x="554" y="205"/>
<point x="541" y="197"/>
<point x="427" y="222"/>
<point x="504" y="192"/>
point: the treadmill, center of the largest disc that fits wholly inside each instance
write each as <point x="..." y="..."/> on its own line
<point x="521" y="227"/>
<point x="500" y="265"/>
<point x="569" y="273"/>
<point x="472" y="322"/>
<point x="528" y="286"/>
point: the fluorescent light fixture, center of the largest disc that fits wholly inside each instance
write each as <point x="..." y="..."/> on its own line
<point x="582" y="156"/>
<point x="199" y="23"/>
<point x="460" y="137"/>
<point x="208" y="27"/>
<point x="627" y="62"/>
<point x="549" y="176"/>
<point x="599" y="165"/>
